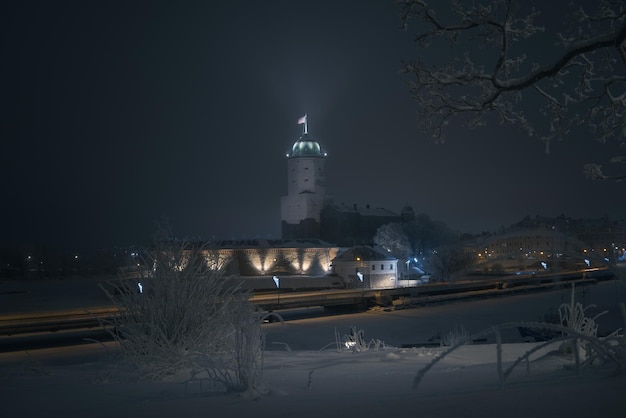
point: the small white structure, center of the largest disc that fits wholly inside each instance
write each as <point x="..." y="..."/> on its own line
<point x="365" y="267"/>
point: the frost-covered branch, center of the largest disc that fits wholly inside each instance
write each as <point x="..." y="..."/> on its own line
<point x="577" y="77"/>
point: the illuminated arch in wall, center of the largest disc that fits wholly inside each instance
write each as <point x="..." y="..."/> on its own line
<point x="300" y="260"/>
<point x="263" y="260"/>
<point x="306" y="261"/>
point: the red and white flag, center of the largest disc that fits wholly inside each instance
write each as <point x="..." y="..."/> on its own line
<point x="302" y="120"/>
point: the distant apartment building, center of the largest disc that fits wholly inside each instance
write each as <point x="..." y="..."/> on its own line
<point x="525" y="242"/>
<point x="562" y="237"/>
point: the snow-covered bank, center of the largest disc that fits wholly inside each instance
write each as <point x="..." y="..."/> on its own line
<point x="331" y="384"/>
<point x="307" y="382"/>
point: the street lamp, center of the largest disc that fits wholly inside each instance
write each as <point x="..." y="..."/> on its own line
<point x="277" y="283"/>
<point x="361" y="278"/>
<point x="408" y="271"/>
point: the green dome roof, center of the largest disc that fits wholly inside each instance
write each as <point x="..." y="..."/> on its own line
<point x="306" y="146"/>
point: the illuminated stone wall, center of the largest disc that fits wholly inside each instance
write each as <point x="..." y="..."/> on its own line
<point x="268" y="261"/>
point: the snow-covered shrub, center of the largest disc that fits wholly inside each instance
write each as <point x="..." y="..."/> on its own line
<point x="573" y="316"/>
<point x="456" y="335"/>
<point x="355" y="341"/>
<point x="603" y="349"/>
<point x="188" y="318"/>
<point x="575" y="330"/>
<point x="239" y="368"/>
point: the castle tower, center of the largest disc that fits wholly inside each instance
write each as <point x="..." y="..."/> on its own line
<point x="306" y="188"/>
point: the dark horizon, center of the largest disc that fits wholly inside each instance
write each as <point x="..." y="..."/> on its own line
<point x="118" y="114"/>
<point x="11" y="249"/>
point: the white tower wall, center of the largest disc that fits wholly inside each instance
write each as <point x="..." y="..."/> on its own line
<point x="306" y="175"/>
<point x="306" y="183"/>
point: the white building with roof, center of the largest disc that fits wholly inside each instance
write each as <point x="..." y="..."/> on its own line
<point x="365" y="267"/>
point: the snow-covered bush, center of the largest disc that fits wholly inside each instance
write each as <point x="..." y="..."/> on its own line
<point x="355" y="341"/>
<point x="605" y="350"/>
<point x="186" y="317"/>
<point x="575" y="330"/>
<point x="573" y="316"/>
<point x="454" y="336"/>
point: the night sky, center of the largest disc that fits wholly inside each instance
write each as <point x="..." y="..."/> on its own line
<point x="117" y="113"/>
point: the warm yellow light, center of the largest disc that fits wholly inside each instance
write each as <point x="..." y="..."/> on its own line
<point x="302" y="261"/>
<point x="261" y="262"/>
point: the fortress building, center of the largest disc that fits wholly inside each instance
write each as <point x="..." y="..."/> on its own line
<point x="308" y="213"/>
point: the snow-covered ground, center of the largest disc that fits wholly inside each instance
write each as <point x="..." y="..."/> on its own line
<point x="309" y="382"/>
<point x="328" y="384"/>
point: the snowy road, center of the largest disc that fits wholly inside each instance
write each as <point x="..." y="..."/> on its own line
<point x="417" y="325"/>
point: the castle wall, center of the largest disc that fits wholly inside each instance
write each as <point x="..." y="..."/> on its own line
<point x="268" y="261"/>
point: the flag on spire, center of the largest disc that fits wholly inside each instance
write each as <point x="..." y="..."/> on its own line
<point x="301" y="121"/>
